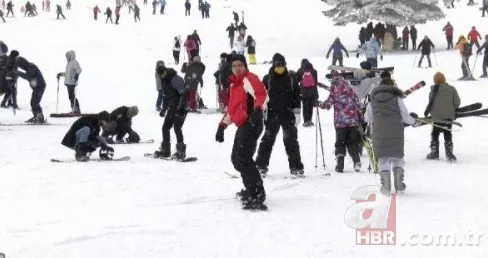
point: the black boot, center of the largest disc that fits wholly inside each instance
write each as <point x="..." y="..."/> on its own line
<point x="449" y="155"/>
<point x="180" y="153"/>
<point x="83" y="151"/>
<point x="253" y="198"/>
<point x="164" y="151"/>
<point x="340" y="164"/>
<point x="434" y="150"/>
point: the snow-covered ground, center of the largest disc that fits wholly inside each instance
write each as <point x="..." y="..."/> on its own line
<point x="152" y="208"/>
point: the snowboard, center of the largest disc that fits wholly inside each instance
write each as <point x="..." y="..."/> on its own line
<point x="124" y="158"/>
<point x="471" y="107"/>
<point x="29" y="124"/>
<point x="140" y="142"/>
<point x="352" y="69"/>
<point x="64" y="115"/>
<point x="414" y="88"/>
<point x="187" y="159"/>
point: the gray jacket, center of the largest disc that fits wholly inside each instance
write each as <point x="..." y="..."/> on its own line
<point x="365" y="87"/>
<point x="72" y="69"/>
<point x="445" y="103"/>
<point x="159" y="86"/>
<point x="387" y="114"/>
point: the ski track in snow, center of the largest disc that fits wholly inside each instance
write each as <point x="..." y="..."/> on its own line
<point x="153" y="208"/>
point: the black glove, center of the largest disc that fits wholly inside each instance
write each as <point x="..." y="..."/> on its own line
<point x="414" y="115"/>
<point x="381" y="58"/>
<point x="163" y="112"/>
<point x="219" y="136"/>
<point x="76" y="77"/>
<point x="106" y="152"/>
<point x="133" y="137"/>
<point x="256" y="117"/>
<point x="357" y="55"/>
<point x="58" y="76"/>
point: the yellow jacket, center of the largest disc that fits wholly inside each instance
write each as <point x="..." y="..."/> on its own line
<point x="460" y="44"/>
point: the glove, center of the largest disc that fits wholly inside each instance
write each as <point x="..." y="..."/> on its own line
<point x="357" y="55"/>
<point x="162" y="113"/>
<point x="381" y="58"/>
<point x="58" y="76"/>
<point x="298" y="117"/>
<point x="219" y="136"/>
<point x="133" y="137"/>
<point x="76" y="77"/>
<point x="414" y="115"/>
<point x="256" y="117"/>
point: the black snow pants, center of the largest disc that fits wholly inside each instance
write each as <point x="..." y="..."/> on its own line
<point x="176" y="56"/>
<point x="275" y="120"/>
<point x="436" y="131"/>
<point x="174" y="119"/>
<point x="347" y="137"/>
<point x="36" y="98"/>
<point x="75" y="105"/>
<point x="308" y="104"/>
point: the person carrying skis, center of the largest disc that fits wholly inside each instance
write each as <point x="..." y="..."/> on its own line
<point x="232" y="30"/>
<point x="177" y="49"/>
<point x="174" y="113"/>
<point x="84" y="137"/>
<point x="387" y="115"/>
<point x="425" y="46"/>
<point x="71" y="76"/>
<point x="309" y="94"/>
<point x="413" y="36"/>
<point x="465" y="50"/>
<point x="371" y="49"/>
<point x="247" y="102"/>
<point x="251" y="49"/>
<point x="346" y="120"/>
<point x="485" y="57"/>
<point x="193" y="71"/>
<point x="449" y="34"/>
<point x="473" y="37"/>
<point x="37" y="83"/>
<point x="120" y="124"/>
<point x="283" y="111"/>
<point x="96" y="11"/>
<point x="59" y="12"/>
<point x="337" y="53"/>
<point x="108" y="12"/>
<point x="159" y="86"/>
<point x="443" y="101"/>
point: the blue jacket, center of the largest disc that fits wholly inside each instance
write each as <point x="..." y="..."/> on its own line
<point x="337" y="47"/>
<point x="371" y="48"/>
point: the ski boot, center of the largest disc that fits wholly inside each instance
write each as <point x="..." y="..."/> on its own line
<point x="340" y="164"/>
<point x="357" y="166"/>
<point x="297" y="172"/>
<point x="434" y="151"/>
<point x="385" y="182"/>
<point x="254" y="198"/>
<point x="398" y="179"/>
<point x="164" y="151"/>
<point x="449" y="155"/>
<point x="83" y="151"/>
<point x="37" y="119"/>
<point x="180" y="153"/>
<point x="263" y="171"/>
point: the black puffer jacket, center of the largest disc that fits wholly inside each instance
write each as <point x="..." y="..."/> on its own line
<point x="193" y="74"/>
<point x="283" y="90"/>
<point x="92" y="121"/>
<point x="174" y="89"/>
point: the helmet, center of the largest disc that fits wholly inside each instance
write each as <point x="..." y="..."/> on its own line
<point x="106" y="154"/>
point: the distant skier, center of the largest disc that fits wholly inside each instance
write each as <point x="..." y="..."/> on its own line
<point x="387" y="115"/>
<point x="84" y="137"/>
<point x="362" y="36"/>
<point x="48" y="5"/>
<point x="405" y="36"/>
<point x="465" y="50"/>
<point x="96" y="11"/>
<point x="108" y="13"/>
<point x="309" y="94"/>
<point x="232" y="30"/>
<point x="68" y="5"/>
<point x="484" y="8"/>
<point x="162" y="4"/>
<point x="242" y="29"/>
<point x="120" y="124"/>
<point x="425" y="46"/>
<point x="485" y="57"/>
<point x="155" y="3"/>
<point x="137" y="13"/>
<point x="159" y="86"/>
<point x="473" y="37"/>
<point x="71" y="76"/>
<point x="443" y="101"/>
<point x="413" y="36"/>
<point x="251" y="49"/>
<point x="37" y="83"/>
<point x="240" y="45"/>
<point x="59" y="12"/>
<point x="117" y="14"/>
<point x="207" y="6"/>
<point x="1" y="16"/>
<point x="246" y="105"/>
<point x="10" y="8"/>
<point x="10" y="77"/>
<point x="177" y="49"/>
<point x="449" y="34"/>
<point x="236" y="17"/>
<point x="187" y="7"/>
<point x="190" y="47"/>
<point x="337" y="53"/>
<point x="193" y="71"/>
<point x="197" y="40"/>
<point x="372" y="50"/>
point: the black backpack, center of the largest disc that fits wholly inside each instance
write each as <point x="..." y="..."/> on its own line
<point x="467" y="49"/>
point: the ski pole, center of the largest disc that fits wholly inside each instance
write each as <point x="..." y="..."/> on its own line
<point x="316" y="138"/>
<point x="435" y="59"/>
<point x="321" y="139"/>
<point x="475" y="59"/>
<point x="57" y="99"/>
<point x="415" y="61"/>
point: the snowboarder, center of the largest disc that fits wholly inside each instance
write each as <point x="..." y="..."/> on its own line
<point x="177" y="49"/>
<point x="136" y="13"/>
<point x="425" y="46"/>
<point x="117" y="14"/>
<point x="120" y="124"/>
<point x="108" y="12"/>
<point x="449" y="34"/>
<point x="413" y="36"/>
<point x="346" y="120"/>
<point x="162" y="4"/>
<point x="405" y="36"/>
<point x="246" y="105"/>
<point x="190" y="47"/>
<point x="251" y="49"/>
<point x="372" y="50"/>
<point x="96" y="11"/>
<point x="307" y="77"/>
<point x="240" y="45"/>
<point x="71" y="76"/>
<point x="193" y="71"/>
<point x="283" y="111"/>
<point x="386" y="114"/>
<point x="159" y="86"/>
<point x="485" y="57"/>
<point x="187" y="7"/>
<point x="232" y="30"/>
<point x="174" y="111"/>
<point x="84" y="137"/>
<point x="37" y="83"/>
<point x="473" y="37"/>
<point x="443" y="101"/>
<point x="465" y="50"/>
<point x="337" y="53"/>
<point x="59" y="11"/>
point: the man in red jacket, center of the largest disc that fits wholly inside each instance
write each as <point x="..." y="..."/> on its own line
<point x="449" y="32"/>
<point x="248" y="98"/>
<point x="473" y="37"/>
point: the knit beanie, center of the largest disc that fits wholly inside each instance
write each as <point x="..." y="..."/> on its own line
<point x="279" y="60"/>
<point x="238" y="57"/>
<point x="439" y="78"/>
<point x="132" y="111"/>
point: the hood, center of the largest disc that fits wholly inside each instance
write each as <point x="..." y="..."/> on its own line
<point x="22" y="63"/>
<point x="306" y="64"/>
<point x="385" y="92"/>
<point x="337" y="79"/>
<point x="71" y="55"/>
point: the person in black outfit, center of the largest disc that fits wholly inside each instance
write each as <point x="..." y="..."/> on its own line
<point x="108" y="12"/>
<point x="198" y="42"/>
<point x="10" y="77"/>
<point x="283" y="111"/>
<point x="485" y="57"/>
<point x="413" y="36"/>
<point x="309" y="93"/>
<point x="232" y="31"/>
<point x="120" y="124"/>
<point x="362" y="36"/>
<point x="222" y="81"/>
<point x="36" y="81"/>
<point x="84" y="137"/>
<point x="426" y="45"/>
<point x="59" y="11"/>
<point x="187" y="8"/>
<point x="174" y="111"/>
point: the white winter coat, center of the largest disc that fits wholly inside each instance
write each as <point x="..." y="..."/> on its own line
<point x="72" y="68"/>
<point x="239" y="46"/>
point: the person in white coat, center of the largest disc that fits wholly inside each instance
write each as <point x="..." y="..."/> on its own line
<point x="240" y="45"/>
<point x="71" y="76"/>
<point x="177" y="49"/>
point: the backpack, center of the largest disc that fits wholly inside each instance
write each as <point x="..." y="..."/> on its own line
<point x="307" y="80"/>
<point x="467" y="49"/>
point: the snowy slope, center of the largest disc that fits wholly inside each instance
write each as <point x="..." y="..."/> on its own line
<point x="149" y="208"/>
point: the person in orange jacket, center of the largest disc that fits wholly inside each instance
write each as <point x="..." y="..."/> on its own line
<point x="465" y="50"/>
<point x="473" y="37"/>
